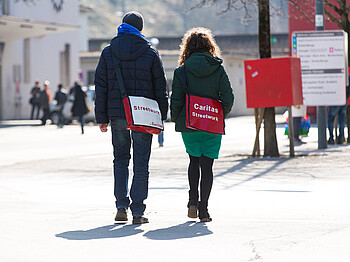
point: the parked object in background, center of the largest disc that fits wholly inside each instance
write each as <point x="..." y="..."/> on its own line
<point x="304" y="126"/>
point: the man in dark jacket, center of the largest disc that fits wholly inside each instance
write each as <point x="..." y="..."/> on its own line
<point x="143" y="75"/>
<point x="45" y="98"/>
<point x="60" y="98"/>
<point x="35" y="100"/>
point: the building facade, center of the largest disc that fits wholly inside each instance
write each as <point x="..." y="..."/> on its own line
<point x="38" y="40"/>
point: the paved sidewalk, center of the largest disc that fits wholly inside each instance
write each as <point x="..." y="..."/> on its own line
<point x="56" y="200"/>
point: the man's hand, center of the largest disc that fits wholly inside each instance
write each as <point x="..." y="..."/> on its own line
<point x="103" y="127"/>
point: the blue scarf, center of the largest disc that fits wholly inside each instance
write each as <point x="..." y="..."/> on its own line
<point x="125" y="28"/>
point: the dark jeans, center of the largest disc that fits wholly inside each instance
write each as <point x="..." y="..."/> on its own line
<point x="60" y="115"/>
<point x="161" y="138"/>
<point x="37" y="108"/>
<point x="141" y="143"/>
<point x="296" y="126"/>
<point x="332" y="112"/>
<point x="200" y="168"/>
<point x="82" y="123"/>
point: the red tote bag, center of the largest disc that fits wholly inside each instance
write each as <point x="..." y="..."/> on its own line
<point x="142" y="114"/>
<point x="203" y="114"/>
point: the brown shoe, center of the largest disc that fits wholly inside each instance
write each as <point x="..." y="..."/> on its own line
<point x="139" y="220"/>
<point x="192" y="212"/>
<point x="121" y="215"/>
<point x="206" y="219"/>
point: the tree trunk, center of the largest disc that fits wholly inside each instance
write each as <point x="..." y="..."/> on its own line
<point x="270" y="138"/>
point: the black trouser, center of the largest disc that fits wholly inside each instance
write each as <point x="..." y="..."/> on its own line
<point x="296" y="126"/>
<point x="60" y="117"/>
<point x="37" y="107"/>
<point x="46" y="115"/>
<point x="200" y="167"/>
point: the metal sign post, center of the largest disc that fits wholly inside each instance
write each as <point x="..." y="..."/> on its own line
<point x="321" y="110"/>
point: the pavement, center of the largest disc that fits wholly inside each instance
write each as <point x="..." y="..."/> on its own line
<point x="57" y="204"/>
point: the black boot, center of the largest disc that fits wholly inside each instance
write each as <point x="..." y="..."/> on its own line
<point x="192" y="205"/>
<point x="192" y="199"/>
<point x="203" y="212"/>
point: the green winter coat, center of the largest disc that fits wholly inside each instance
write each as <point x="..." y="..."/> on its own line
<point x="206" y="77"/>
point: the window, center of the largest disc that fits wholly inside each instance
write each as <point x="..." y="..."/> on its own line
<point x="90" y="77"/>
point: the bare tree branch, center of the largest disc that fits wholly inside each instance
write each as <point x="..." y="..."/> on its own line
<point x="298" y="7"/>
<point x="335" y="8"/>
<point x="338" y="1"/>
<point x="333" y="18"/>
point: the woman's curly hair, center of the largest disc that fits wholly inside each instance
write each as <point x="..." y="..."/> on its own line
<point x="198" y="39"/>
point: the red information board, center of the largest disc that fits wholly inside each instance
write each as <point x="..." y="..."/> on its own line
<point x="273" y="82"/>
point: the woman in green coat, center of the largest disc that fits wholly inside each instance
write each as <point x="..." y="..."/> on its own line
<point x="206" y="77"/>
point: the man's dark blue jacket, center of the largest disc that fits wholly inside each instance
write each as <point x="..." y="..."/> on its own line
<point x="142" y="71"/>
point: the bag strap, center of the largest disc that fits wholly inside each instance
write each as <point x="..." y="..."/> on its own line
<point x="118" y="73"/>
<point x="183" y="77"/>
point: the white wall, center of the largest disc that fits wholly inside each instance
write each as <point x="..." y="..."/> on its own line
<point x="43" y="10"/>
<point x="83" y="32"/>
<point x="234" y="67"/>
<point x="44" y="55"/>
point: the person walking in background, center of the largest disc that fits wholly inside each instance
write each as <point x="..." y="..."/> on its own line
<point x="161" y="139"/>
<point x="206" y="77"/>
<point x="333" y="111"/>
<point x="79" y="108"/>
<point x="35" y="100"/>
<point x="45" y="98"/>
<point x="60" y="98"/>
<point x="144" y="75"/>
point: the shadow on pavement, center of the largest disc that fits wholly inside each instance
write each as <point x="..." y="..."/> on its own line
<point x="243" y="163"/>
<point x="110" y="231"/>
<point x="185" y="230"/>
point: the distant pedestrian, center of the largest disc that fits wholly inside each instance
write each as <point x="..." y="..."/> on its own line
<point x="298" y="113"/>
<point x="60" y="98"/>
<point x="339" y="111"/>
<point x="143" y="73"/>
<point x="79" y="108"/>
<point x="334" y="111"/>
<point x="45" y="98"/>
<point x="206" y="77"/>
<point x="35" y="100"/>
<point x="161" y="139"/>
